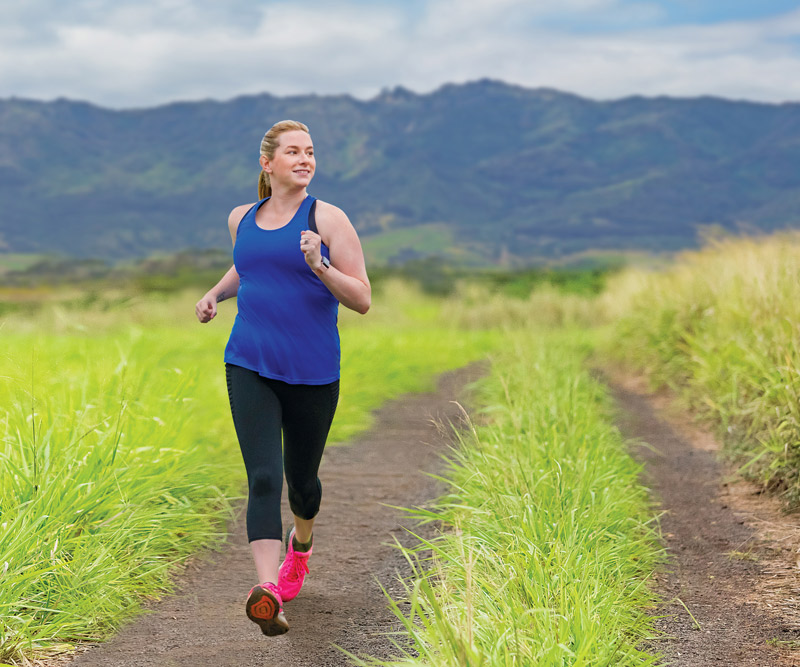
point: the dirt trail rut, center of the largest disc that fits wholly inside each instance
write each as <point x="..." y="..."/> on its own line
<point x="204" y="622"/>
<point x="717" y="557"/>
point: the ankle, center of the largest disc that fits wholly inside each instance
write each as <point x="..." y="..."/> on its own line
<point x="297" y="545"/>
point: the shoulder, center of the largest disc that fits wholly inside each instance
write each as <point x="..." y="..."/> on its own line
<point x="335" y="227"/>
<point x="237" y="214"/>
<point x="330" y="216"/>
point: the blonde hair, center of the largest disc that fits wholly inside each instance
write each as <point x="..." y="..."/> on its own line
<point x="269" y="144"/>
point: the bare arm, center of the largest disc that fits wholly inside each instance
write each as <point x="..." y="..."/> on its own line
<point x="228" y="286"/>
<point x="346" y="278"/>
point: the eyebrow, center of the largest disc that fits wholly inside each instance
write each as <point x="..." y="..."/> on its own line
<point x="287" y="147"/>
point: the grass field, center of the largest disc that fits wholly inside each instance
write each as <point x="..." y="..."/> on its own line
<point x="119" y="460"/>
<point x="118" y="455"/>
<point x="124" y="461"/>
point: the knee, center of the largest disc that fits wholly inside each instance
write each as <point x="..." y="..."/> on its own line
<point x="304" y="501"/>
<point x="265" y="483"/>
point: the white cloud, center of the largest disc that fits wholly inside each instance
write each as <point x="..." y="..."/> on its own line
<point x="127" y="54"/>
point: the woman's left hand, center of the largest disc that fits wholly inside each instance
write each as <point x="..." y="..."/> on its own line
<point x="309" y="244"/>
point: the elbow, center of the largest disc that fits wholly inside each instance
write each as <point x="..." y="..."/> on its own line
<point x="359" y="301"/>
<point x="364" y="305"/>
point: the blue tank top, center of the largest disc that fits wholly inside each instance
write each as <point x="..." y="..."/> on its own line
<point x="286" y="327"/>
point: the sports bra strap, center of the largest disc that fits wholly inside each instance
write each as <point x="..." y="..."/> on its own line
<point x="312" y="219"/>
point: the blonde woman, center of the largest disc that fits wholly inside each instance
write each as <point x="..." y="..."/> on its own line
<point x="295" y="260"/>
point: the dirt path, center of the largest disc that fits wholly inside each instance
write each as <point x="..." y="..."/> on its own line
<point x="341" y="603"/>
<point x="733" y="555"/>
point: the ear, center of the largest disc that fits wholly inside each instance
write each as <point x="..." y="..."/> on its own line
<point x="264" y="162"/>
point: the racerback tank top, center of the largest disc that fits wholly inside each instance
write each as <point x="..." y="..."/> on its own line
<point x="286" y="325"/>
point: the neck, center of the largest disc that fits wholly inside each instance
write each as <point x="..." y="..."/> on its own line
<point x="287" y="198"/>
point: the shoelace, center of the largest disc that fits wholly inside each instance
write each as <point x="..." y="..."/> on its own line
<point x="299" y="567"/>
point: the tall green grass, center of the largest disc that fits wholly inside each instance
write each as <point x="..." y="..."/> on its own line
<point x="111" y="475"/>
<point x="476" y="306"/>
<point x="547" y="536"/>
<point x="722" y="327"/>
<point x="118" y="459"/>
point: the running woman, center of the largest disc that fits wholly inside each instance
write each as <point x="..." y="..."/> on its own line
<point x="296" y="259"/>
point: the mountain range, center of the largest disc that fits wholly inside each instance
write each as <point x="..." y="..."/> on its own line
<point x="479" y="173"/>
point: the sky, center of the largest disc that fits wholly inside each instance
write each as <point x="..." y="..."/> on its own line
<point x="142" y="53"/>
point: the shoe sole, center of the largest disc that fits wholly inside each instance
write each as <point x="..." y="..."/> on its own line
<point x="264" y="609"/>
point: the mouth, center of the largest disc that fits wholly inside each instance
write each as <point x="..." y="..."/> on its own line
<point x="302" y="172"/>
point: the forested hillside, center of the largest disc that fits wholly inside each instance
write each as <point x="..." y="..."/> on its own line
<point x="480" y="173"/>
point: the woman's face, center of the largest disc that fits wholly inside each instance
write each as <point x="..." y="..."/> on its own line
<point x="293" y="163"/>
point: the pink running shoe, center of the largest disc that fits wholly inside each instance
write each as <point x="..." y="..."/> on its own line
<point x="265" y="607"/>
<point x="293" y="570"/>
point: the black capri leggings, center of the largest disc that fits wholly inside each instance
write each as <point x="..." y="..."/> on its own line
<point x="261" y="409"/>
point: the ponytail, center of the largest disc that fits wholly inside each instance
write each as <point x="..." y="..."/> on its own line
<point x="264" y="189"/>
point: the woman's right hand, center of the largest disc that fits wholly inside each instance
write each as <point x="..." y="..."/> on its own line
<point x="206" y="309"/>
